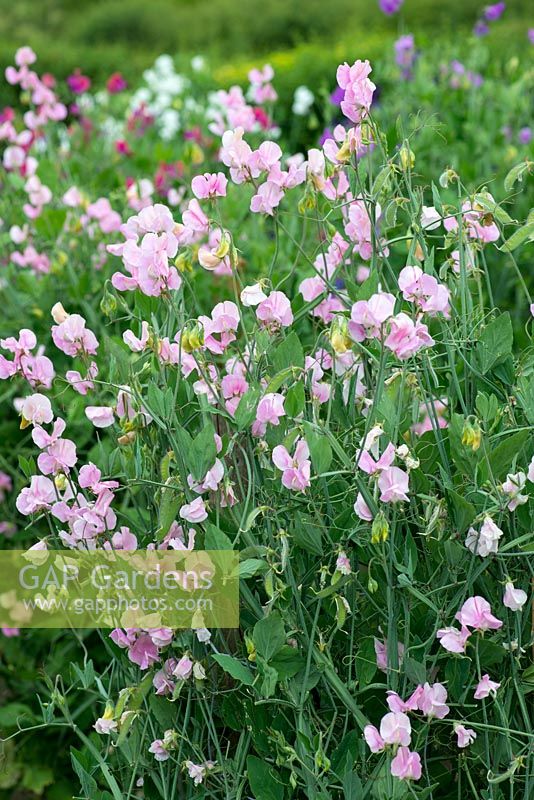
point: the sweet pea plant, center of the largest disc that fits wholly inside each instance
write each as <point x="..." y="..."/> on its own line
<point x="300" y="359"/>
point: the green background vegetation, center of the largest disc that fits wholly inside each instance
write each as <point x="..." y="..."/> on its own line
<point x="304" y="37"/>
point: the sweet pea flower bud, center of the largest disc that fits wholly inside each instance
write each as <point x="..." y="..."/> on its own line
<point x="183" y="262"/>
<point x="380" y="529"/>
<point x="59" y="314"/>
<point x="339" y="335"/>
<point x="224" y="246"/>
<point x="108" y="304"/>
<point x="372" y="585"/>
<point x="472" y="435"/>
<point x="446" y="177"/>
<point x="127" y="438"/>
<point x="60" y="482"/>
<point x="199" y="672"/>
<point x="407" y="156"/>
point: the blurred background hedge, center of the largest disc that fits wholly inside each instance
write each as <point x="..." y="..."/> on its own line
<point x="304" y="39"/>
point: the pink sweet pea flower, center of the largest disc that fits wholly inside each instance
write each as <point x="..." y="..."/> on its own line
<point x="358" y="89"/>
<point x="407" y="337"/>
<point x="395" y="703"/>
<point x="374" y="741"/>
<point x="296" y="468"/>
<point x="485" y="687"/>
<point x="143" y="652"/>
<point x="72" y="337"/>
<point x="40" y="495"/>
<point x="367" y="463"/>
<point x="432" y="701"/>
<point x="158" y="750"/>
<point x="267" y="198"/>
<point x="136" y="345"/>
<point x="362" y="509"/>
<point x="476" y="613"/>
<point x="116" y="83"/>
<point x="466" y="736"/>
<point x="395" y="728"/>
<point x="514" y="599"/>
<point x="406" y="765"/>
<point x="393" y="484"/>
<point x="195" y="511"/>
<point x="183" y="668"/>
<point x="209" y="185"/>
<point x="269" y="411"/>
<point x="37" y="410"/>
<point x="368" y="316"/>
<point x="275" y="311"/>
<point x="454" y="640"/>
<point x="100" y="416"/>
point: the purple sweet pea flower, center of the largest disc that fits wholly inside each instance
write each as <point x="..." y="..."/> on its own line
<point x="494" y="12"/>
<point x="390" y="7"/>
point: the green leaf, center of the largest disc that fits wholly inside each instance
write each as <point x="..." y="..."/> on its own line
<point x="203" y="452"/>
<point x="269" y="678"/>
<point x="287" y="662"/>
<point x="235" y="668"/>
<point x="502" y="456"/>
<point x="269" y="635"/>
<point x="264" y="781"/>
<point x="13" y="715"/>
<point x="295" y="400"/>
<point x="415" y="671"/>
<point x="288" y="354"/>
<point x="525" y="395"/>
<point x="488" y="204"/>
<point x="308" y="535"/>
<point x="88" y="783"/>
<point x="366" y="662"/>
<point x="320" y="449"/>
<point x="215" y="539"/>
<point x="516" y="239"/>
<point x="464" y="511"/>
<point x="517" y="173"/>
<point x="495" y="342"/>
<point x="246" y="409"/>
<point x="37" y="778"/>
<point x="251" y="566"/>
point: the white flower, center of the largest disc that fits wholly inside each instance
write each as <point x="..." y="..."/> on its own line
<point x="253" y="295"/>
<point x="486" y="541"/>
<point x="302" y="100"/>
<point x="430" y="218"/>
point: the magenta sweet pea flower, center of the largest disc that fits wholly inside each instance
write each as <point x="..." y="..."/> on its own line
<point x="78" y="83"/>
<point x="116" y="83"/>
<point x="390" y="7"/>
